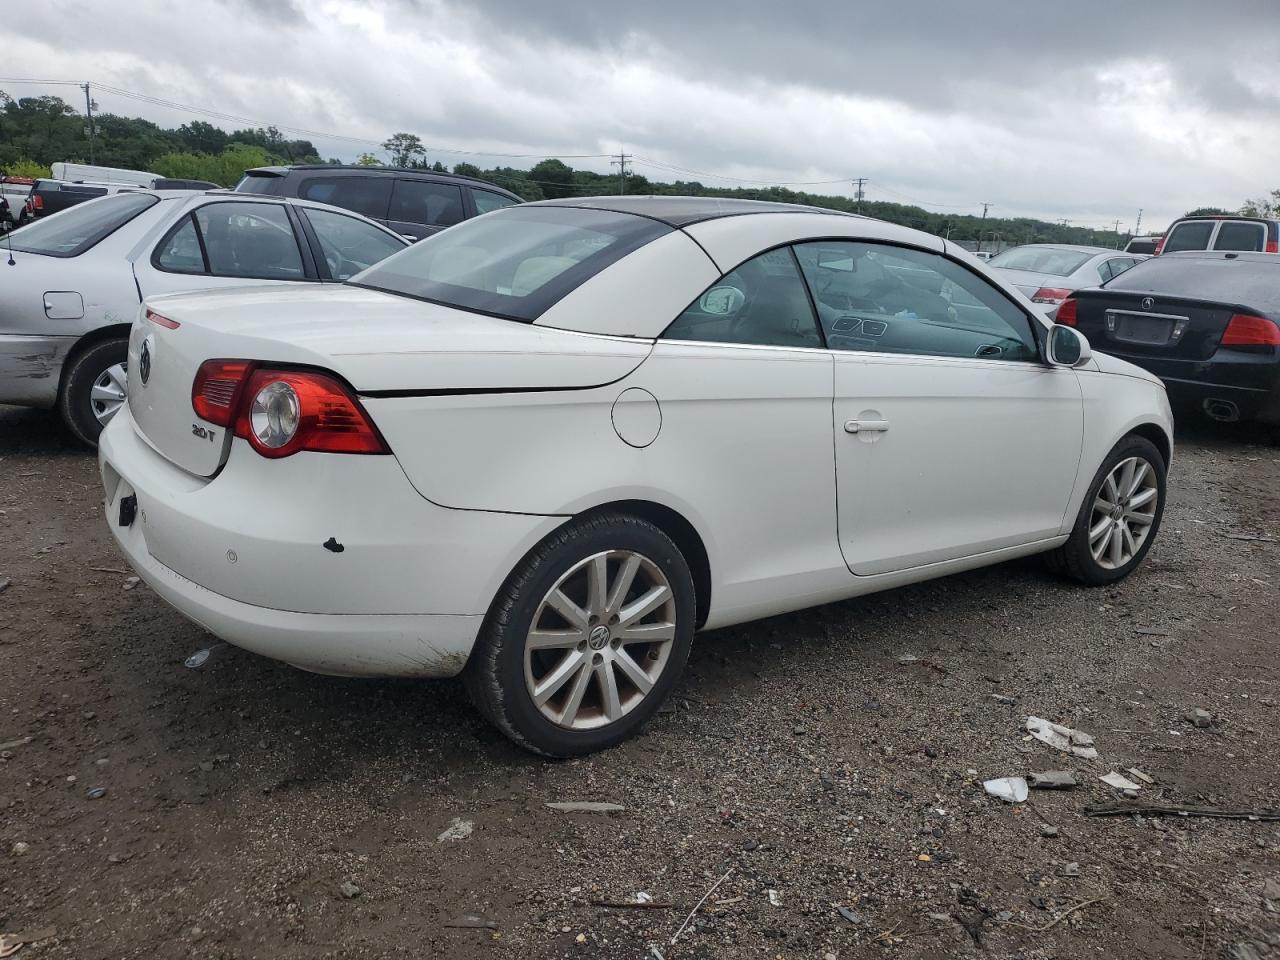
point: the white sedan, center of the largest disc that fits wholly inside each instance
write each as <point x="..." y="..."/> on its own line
<point x="547" y="445"/>
<point x="77" y="277"/>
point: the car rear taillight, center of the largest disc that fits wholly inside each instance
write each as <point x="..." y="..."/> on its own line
<point x="217" y="387"/>
<point x="37" y="202"/>
<point x="1272" y="247"/>
<point x="1067" y="312"/>
<point x="283" y="412"/>
<point x="1246" y="330"/>
<point x="1050" y="295"/>
<point x="1159" y="247"/>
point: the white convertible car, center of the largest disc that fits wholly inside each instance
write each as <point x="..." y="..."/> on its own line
<point x="547" y="445"/>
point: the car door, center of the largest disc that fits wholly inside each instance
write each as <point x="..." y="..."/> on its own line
<point x="420" y="208"/>
<point x="952" y="437"/>
<point x="226" y="243"/>
<point x="745" y="388"/>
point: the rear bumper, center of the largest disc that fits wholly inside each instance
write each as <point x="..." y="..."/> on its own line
<point x="31" y="368"/>
<point x="1253" y="404"/>
<point x="243" y="555"/>
<point x="1249" y="380"/>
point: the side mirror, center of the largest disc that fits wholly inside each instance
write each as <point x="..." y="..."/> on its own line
<point x="1067" y="346"/>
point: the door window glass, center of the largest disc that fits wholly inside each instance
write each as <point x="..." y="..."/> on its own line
<point x="365" y="195"/>
<point x="1189" y="235"/>
<point x="761" y="302"/>
<point x="1234" y="235"/>
<point x="487" y="200"/>
<point x="350" y="245"/>
<point x="887" y="299"/>
<point x="252" y="240"/>
<point x="180" y="250"/>
<point x="421" y="201"/>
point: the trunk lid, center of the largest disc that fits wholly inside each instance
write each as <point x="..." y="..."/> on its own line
<point x="1028" y="283"/>
<point x="1136" y="324"/>
<point x="376" y="342"/>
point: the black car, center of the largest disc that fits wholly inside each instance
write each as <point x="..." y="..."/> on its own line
<point x="414" y="203"/>
<point x="1207" y="323"/>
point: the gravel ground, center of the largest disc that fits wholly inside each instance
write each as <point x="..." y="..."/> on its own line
<point x="252" y="810"/>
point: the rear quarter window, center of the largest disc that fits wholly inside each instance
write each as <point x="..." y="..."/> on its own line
<point x="366" y="195"/>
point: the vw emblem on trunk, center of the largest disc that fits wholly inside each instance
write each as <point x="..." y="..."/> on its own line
<point x="1147" y="303"/>
<point x="144" y="361"/>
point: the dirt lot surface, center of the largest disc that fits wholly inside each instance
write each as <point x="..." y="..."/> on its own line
<point x="252" y="810"/>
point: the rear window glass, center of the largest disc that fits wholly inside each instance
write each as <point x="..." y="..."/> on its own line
<point x="77" y="229"/>
<point x="1190" y="235"/>
<point x="1246" y="283"/>
<point x="1057" y="263"/>
<point x="1233" y="235"/>
<point x="367" y="195"/>
<point x="515" y="263"/>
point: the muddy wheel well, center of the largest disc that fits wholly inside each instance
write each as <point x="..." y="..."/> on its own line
<point x="683" y="534"/>
<point x="115" y="331"/>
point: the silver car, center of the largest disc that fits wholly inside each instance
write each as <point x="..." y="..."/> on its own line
<point x="1050" y="272"/>
<point x="76" y="278"/>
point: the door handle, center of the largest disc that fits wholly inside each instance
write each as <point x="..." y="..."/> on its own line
<point x="866" y="426"/>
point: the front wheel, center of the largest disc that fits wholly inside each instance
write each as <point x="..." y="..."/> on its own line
<point x="94" y="389"/>
<point x="586" y="638"/>
<point x="1119" y="518"/>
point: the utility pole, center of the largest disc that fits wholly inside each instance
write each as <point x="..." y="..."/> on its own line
<point x="1117" y="227"/>
<point x="88" y="113"/>
<point x="1137" y="229"/>
<point x="980" y="223"/>
<point x="858" y="194"/>
<point x="621" y="163"/>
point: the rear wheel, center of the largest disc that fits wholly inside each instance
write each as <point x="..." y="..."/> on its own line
<point x="586" y="638"/>
<point x="94" y="389"/>
<point x="1119" y="518"/>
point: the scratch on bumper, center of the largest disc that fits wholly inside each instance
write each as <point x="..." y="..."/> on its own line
<point x="30" y="368"/>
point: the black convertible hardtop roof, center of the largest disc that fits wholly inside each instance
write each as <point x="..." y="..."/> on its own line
<point x="684" y="211"/>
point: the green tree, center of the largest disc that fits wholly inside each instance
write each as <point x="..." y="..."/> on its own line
<point x="224" y="169"/>
<point x="1262" y="206"/>
<point x="554" y="178"/>
<point x="467" y="170"/>
<point x="368" y="160"/>
<point x="1208" y="212"/>
<point x="406" y="149"/>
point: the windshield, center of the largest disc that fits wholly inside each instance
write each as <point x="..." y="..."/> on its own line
<point x="1057" y="263"/>
<point x="77" y="229"/>
<point x="514" y="263"/>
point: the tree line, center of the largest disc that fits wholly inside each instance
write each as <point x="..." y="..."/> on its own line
<point x="38" y="131"/>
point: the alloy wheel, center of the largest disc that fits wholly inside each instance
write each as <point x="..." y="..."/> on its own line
<point x="109" y="392"/>
<point x="1123" y="512"/>
<point x="600" y="639"/>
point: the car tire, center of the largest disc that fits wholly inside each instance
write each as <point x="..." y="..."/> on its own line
<point x="527" y="644"/>
<point x="1091" y="556"/>
<point x="77" y="404"/>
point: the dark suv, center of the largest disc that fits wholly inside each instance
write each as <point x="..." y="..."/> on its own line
<point x="414" y="203"/>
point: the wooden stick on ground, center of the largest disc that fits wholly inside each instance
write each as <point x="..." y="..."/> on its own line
<point x="699" y="904"/>
<point x="1055" y="921"/>
<point x="1176" y="809"/>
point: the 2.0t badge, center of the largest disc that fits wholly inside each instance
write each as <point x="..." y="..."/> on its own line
<point x="144" y="360"/>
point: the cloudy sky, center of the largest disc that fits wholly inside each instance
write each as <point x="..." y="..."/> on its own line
<point x="1078" y="109"/>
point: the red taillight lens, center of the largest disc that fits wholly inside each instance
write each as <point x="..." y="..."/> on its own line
<point x="1067" y="312"/>
<point x="216" y="388"/>
<point x="163" y="321"/>
<point x="282" y="412"/>
<point x="1050" y="295"/>
<point x="37" y="202"/>
<point x="1159" y="247"/>
<point x="1245" y="330"/>
<point x="1272" y="247"/>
